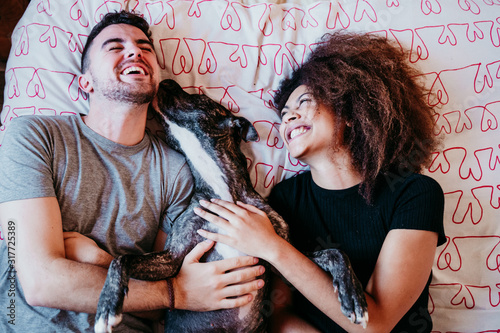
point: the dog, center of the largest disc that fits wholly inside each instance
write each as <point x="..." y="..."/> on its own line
<point x="209" y="136"/>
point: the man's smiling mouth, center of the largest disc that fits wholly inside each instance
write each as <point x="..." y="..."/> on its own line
<point x="134" y="70"/>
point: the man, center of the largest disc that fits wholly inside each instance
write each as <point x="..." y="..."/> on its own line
<point x="78" y="190"/>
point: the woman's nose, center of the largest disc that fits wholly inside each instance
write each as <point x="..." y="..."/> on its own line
<point x="290" y="116"/>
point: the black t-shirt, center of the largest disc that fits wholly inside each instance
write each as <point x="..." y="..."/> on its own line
<point x="321" y="219"/>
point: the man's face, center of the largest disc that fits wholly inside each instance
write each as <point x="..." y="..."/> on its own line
<point x="123" y="66"/>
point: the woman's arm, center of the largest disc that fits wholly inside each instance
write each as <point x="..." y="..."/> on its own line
<point x="400" y="274"/>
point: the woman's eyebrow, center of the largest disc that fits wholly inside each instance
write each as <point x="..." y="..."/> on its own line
<point x="297" y="99"/>
<point x="306" y="93"/>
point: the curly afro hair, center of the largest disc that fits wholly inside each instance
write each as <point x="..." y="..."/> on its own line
<point x="367" y="82"/>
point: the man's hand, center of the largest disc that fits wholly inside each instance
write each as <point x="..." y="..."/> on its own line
<point x="85" y="250"/>
<point x="215" y="285"/>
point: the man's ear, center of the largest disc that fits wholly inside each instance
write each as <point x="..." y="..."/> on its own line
<point x="85" y="83"/>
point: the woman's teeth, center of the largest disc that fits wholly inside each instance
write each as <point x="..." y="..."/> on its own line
<point x="297" y="131"/>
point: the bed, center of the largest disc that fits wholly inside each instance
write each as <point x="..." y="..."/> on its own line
<point x="237" y="52"/>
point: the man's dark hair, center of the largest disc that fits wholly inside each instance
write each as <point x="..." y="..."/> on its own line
<point x="122" y="17"/>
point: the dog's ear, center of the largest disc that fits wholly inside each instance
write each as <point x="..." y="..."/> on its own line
<point x="243" y="127"/>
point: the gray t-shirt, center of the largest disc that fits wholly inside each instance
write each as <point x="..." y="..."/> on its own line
<point x="118" y="195"/>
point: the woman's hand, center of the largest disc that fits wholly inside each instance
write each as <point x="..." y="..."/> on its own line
<point x="85" y="250"/>
<point x="247" y="228"/>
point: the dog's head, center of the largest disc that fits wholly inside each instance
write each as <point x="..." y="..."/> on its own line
<point x="200" y="114"/>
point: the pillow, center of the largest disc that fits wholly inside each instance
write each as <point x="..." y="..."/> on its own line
<point x="237" y="53"/>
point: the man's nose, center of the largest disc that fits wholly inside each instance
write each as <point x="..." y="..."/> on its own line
<point x="134" y="52"/>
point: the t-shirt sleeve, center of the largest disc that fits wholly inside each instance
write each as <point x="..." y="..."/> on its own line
<point x="180" y="193"/>
<point x="25" y="160"/>
<point x="420" y="206"/>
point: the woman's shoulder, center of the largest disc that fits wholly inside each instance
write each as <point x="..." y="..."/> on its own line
<point x="416" y="202"/>
<point x="416" y="190"/>
<point x="412" y="182"/>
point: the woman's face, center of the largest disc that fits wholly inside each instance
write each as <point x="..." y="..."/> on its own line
<point x="308" y="128"/>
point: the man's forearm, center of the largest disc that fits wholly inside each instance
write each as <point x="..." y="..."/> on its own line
<point x="73" y="286"/>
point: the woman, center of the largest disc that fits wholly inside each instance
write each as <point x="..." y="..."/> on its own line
<point x="356" y="115"/>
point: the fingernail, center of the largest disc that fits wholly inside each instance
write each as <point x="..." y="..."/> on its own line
<point x="196" y="210"/>
<point x="203" y="203"/>
<point x="201" y="232"/>
<point x="262" y="270"/>
<point x="260" y="283"/>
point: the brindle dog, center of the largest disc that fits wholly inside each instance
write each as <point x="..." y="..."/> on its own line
<point x="209" y="136"/>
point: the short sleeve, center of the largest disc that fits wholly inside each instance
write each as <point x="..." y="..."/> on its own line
<point x="420" y="206"/>
<point x="25" y="159"/>
<point x="179" y="195"/>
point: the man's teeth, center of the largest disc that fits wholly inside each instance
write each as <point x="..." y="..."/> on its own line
<point x="297" y="131"/>
<point x="134" y="70"/>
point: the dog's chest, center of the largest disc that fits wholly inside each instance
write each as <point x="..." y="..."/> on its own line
<point x="201" y="161"/>
<point x="208" y="171"/>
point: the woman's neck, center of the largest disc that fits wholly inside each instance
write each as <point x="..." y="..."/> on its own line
<point x="335" y="173"/>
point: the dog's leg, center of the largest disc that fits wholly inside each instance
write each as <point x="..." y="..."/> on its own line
<point x="151" y="267"/>
<point x="350" y="291"/>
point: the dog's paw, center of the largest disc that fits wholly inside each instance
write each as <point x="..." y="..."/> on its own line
<point x="105" y="325"/>
<point x="350" y="291"/>
<point x="109" y="307"/>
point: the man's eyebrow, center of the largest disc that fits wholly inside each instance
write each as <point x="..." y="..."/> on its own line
<point x="121" y="40"/>
<point x="112" y="40"/>
<point x="144" y="41"/>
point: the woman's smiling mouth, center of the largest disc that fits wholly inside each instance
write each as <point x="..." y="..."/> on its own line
<point x="297" y="131"/>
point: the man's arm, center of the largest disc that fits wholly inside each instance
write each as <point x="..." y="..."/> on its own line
<point x="50" y="279"/>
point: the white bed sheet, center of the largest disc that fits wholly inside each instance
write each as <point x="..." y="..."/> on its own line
<point x="237" y="52"/>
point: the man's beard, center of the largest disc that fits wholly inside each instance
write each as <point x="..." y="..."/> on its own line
<point x="124" y="92"/>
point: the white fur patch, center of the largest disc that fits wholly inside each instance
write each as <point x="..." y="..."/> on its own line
<point x="101" y="326"/>
<point x="208" y="170"/>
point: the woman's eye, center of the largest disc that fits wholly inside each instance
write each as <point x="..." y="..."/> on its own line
<point x="305" y="100"/>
